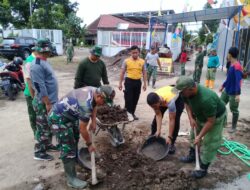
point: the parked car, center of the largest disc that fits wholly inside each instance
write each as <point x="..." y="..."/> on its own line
<point x="17" y="46"/>
<point x="53" y="49"/>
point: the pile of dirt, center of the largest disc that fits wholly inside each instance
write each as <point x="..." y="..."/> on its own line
<point x="110" y="115"/>
<point x="125" y="169"/>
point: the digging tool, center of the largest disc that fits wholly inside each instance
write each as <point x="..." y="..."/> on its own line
<point x="93" y="168"/>
<point x="197" y="161"/>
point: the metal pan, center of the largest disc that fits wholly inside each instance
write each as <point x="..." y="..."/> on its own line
<point x="155" y="148"/>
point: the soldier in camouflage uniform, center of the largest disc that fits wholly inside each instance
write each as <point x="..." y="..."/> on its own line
<point x="143" y="51"/>
<point x="198" y="65"/>
<point x="46" y="94"/>
<point x="69" y="52"/>
<point x="79" y="104"/>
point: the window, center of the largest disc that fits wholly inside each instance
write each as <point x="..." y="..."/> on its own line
<point x="29" y="41"/>
<point x="115" y="38"/>
<point x="136" y="39"/>
<point x="22" y="41"/>
<point x="125" y="38"/>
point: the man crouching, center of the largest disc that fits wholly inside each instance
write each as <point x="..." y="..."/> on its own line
<point x="79" y="104"/>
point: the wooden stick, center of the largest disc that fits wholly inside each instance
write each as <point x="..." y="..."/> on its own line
<point x="197" y="161"/>
<point x="93" y="168"/>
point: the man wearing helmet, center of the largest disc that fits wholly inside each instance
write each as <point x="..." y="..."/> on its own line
<point x="78" y="104"/>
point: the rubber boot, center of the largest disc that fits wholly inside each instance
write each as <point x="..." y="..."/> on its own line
<point x="211" y="84"/>
<point x="153" y="84"/>
<point x="207" y="83"/>
<point x="70" y="171"/>
<point x="200" y="173"/>
<point x="190" y="157"/>
<point x="234" y="123"/>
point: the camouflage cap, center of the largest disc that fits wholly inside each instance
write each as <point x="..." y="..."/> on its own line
<point x="108" y="92"/>
<point x="42" y="45"/>
<point x="184" y="82"/>
<point x="97" y="51"/>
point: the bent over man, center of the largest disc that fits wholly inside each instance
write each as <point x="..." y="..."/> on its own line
<point x="161" y="100"/>
<point x="79" y="104"/>
<point x="207" y="115"/>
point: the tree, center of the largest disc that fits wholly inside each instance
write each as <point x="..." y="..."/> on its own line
<point x="5" y="13"/>
<point x="208" y="28"/>
<point x="49" y="14"/>
<point x="72" y="26"/>
<point x="211" y="24"/>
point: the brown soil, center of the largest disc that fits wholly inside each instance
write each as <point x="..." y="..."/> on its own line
<point x="110" y="115"/>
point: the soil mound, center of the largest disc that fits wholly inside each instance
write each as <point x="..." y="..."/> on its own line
<point x="110" y="115"/>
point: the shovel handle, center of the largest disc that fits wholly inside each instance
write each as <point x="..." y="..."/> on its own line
<point x="197" y="161"/>
<point x="93" y="168"/>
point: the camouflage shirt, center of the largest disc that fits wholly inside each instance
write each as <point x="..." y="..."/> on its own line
<point x="77" y="104"/>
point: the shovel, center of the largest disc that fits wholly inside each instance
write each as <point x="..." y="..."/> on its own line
<point x="197" y="161"/>
<point x="93" y="168"/>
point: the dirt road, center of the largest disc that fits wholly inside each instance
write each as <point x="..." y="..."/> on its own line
<point x="123" y="167"/>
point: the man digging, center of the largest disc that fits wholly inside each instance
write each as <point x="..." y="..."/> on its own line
<point x="207" y="115"/>
<point x="79" y="104"/>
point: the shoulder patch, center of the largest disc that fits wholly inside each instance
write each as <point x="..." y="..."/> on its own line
<point x="238" y="67"/>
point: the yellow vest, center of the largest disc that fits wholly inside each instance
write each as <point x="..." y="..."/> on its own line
<point x="134" y="68"/>
<point x="167" y="93"/>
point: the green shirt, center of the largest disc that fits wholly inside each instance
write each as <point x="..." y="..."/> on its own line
<point x="90" y="74"/>
<point x="27" y="65"/>
<point x="199" y="58"/>
<point x="205" y="104"/>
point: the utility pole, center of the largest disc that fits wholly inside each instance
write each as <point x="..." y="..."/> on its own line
<point x="31" y="14"/>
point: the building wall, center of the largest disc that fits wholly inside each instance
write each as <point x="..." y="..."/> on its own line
<point x="115" y="41"/>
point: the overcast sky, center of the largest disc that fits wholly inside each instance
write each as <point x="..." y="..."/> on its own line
<point x="89" y="10"/>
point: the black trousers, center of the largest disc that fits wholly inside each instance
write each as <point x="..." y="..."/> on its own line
<point x="179" y="109"/>
<point x="131" y="94"/>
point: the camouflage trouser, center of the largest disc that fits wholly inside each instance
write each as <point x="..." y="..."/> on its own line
<point x="32" y="114"/>
<point x="182" y="65"/>
<point x="211" y="73"/>
<point x="69" y="57"/>
<point x="152" y="71"/>
<point x="67" y="134"/>
<point x="43" y="133"/>
<point x="197" y="74"/>
<point x="233" y="105"/>
<point x="212" y="140"/>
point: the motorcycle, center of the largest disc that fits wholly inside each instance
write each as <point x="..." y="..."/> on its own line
<point x="12" y="80"/>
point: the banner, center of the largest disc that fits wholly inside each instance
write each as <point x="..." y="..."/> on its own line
<point x="166" y="65"/>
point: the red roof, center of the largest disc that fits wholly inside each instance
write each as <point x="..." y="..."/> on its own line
<point x="111" y="22"/>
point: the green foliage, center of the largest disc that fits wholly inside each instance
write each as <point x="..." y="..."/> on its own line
<point x="5" y="13"/>
<point x="49" y="14"/>
<point x="186" y="35"/>
<point x="209" y="38"/>
<point x="208" y="28"/>
<point x="12" y="35"/>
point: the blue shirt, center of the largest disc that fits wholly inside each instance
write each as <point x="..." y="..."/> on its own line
<point x="232" y="84"/>
<point x="44" y="80"/>
<point x="213" y="61"/>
